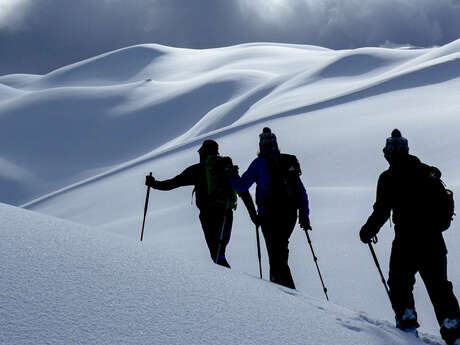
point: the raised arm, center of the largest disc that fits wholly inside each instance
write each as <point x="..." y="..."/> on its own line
<point x="185" y="178"/>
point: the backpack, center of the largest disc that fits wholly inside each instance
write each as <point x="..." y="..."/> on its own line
<point x="441" y="199"/>
<point x="220" y="191"/>
<point x="285" y="181"/>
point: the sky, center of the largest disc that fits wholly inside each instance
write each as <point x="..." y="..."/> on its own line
<point x="37" y="36"/>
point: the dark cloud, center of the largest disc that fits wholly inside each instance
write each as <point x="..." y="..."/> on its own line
<point x="38" y="36"/>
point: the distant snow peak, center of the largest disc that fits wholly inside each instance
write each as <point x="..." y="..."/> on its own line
<point x="394" y="45"/>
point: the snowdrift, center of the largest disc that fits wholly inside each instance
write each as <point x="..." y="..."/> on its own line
<point x="63" y="283"/>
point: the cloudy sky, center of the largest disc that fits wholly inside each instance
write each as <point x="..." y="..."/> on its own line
<point x="37" y="36"/>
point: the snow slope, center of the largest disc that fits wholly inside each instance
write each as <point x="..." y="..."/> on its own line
<point x="92" y="131"/>
<point x="99" y="113"/>
<point x="63" y="283"/>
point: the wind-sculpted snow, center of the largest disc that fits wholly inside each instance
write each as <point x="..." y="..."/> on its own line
<point x="64" y="283"/>
<point x="91" y="116"/>
<point x="7" y="92"/>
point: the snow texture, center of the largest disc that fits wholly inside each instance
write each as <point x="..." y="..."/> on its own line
<point x="76" y="144"/>
<point x="63" y="283"/>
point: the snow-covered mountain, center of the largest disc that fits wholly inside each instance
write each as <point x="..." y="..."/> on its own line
<point x="76" y="143"/>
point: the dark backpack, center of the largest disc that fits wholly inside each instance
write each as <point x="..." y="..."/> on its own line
<point x="220" y="191"/>
<point x="441" y="199"/>
<point x="285" y="186"/>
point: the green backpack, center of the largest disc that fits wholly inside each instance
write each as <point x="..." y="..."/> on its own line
<point x="220" y="191"/>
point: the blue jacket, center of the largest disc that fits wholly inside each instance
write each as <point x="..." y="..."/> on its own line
<point x="259" y="173"/>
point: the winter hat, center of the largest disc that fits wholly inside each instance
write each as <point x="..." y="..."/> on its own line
<point x="209" y="147"/>
<point x="396" y="144"/>
<point x="267" y="140"/>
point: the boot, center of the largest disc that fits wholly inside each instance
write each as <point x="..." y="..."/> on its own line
<point x="450" y="331"/>
<point x="408" y="321"/>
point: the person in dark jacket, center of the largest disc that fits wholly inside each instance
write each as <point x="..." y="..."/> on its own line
<point x="280" y="194"/>
<point x="216" y="219"/>
<point x="418" y="245"/>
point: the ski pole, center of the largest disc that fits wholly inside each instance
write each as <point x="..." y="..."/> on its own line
<point x="145" y="209"/>
<point x="219" y="246"/>
<point x="374" y="240"/>
<point x="258" y="251"/>
<point x="316" y="263"/>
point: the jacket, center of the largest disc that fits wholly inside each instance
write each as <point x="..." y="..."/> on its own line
<point x="259" y="173"/>
<point x="401" y="190"/>
<point x="195" y="175"/>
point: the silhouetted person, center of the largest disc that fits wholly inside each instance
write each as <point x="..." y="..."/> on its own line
<point x="215" y="197"/>
<point x="407" y="190"/>
<point x="280" y="194"/>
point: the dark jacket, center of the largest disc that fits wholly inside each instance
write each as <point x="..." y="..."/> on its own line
<point x="195" y="175"/>
<point x="401" y="189"/>
<point x="259" y="173"/>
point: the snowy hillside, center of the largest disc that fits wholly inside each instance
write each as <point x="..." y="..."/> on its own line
<point x="100" y="113"/>
<point x="88" y="133"/>
<point x="65" y="284"/>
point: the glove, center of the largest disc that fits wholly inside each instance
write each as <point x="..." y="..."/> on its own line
<point x="366" y="234"/>
<point x="149" y="181"/>
<point x="304" y="222"/>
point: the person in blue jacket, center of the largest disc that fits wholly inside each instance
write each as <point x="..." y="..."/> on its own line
<point x="280" y="195"/>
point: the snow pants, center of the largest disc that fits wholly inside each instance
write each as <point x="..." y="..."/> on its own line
<point x="217" y="227"/>
<point x="430" y="261"/>
<point x="277" y="227"/>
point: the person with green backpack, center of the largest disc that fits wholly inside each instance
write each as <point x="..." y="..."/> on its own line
<point x="215" y="197"/>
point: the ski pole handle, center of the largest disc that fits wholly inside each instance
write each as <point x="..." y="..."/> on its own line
<point x="145" y="208"/>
